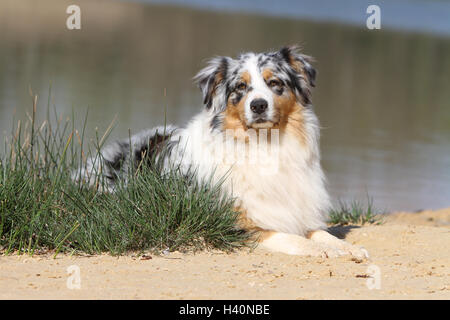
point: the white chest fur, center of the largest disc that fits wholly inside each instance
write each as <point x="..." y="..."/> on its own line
<point x="284" y="193"/>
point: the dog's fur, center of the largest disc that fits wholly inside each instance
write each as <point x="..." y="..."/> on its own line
<point x="288" y="208"/>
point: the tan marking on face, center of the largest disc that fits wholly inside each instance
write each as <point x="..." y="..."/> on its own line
<point x="245" y="76"/>
<point x="296" y="124"/>
<point x="290" y="113"/>
<point x="299" y="67"/>
<point x="234" y="115"/>
<point x="296" y="64"/>
<point x="217" y="79"/>
<point x="267" y="74"/>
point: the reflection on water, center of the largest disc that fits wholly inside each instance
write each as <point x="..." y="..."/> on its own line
<point x="383" y="98"/>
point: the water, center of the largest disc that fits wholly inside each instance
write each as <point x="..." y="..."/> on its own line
<point x="382" y="97"/>
<point x="414" y="15"/>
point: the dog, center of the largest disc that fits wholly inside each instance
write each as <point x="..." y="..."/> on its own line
<point x="253" y="100"/>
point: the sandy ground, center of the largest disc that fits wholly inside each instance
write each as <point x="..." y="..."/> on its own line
<point x="410" y="259"/>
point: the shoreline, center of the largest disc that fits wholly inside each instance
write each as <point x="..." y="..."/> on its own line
<point x="408" y="251"/>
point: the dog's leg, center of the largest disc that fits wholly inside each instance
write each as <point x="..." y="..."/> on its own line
<point x="285" y="242"/>
<point x="296" y="245"/>
<point x="324" y="238"/>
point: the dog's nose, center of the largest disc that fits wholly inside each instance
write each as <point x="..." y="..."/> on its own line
<point x="258" y="106"/>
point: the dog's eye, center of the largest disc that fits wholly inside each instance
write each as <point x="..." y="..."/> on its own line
<point x="274" y="83"/>
<point x="241" y="86"/>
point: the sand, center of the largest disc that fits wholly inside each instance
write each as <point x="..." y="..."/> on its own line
<point x="410" y="259"/>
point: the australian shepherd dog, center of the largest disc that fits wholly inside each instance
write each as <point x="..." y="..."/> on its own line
<point x="259" y="131"/>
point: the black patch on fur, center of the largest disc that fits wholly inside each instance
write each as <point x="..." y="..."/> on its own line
<point x="237" y="98"/>
<point x="216" y="122"/>
<point x="279" y="91"/>
<point x="262" y="61"/>
<point x="285" y="53"/>
<point x="289" y="55"/>
<point x="228" y="92"/>
<point x="223" y="69"/>
<point x="147" y="152"/>
<point x="311" y="72"/>
<point x="119" y="157"/>
<point x="295" y="84"/>
<point x="209" y="81"/>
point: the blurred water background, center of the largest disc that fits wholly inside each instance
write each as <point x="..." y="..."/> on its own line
<point x="382" y="96"/>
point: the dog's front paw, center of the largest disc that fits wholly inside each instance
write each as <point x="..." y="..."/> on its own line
<point x="316" y="250"/>
<point x="359" y="253"/>
<point x="343" y="247"/>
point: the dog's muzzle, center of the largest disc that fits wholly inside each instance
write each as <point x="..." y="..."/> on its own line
<point x="260" y="119"/>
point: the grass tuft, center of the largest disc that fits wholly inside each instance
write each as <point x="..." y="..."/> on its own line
<point x="42" y="208"/>
<point x="355" y="213"/>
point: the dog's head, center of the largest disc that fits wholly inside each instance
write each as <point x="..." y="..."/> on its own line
<point x="256" y="90"/>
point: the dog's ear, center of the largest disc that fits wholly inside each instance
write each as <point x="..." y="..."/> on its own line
<point x="303" y="74"/>
<point x="211" y="78"/>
